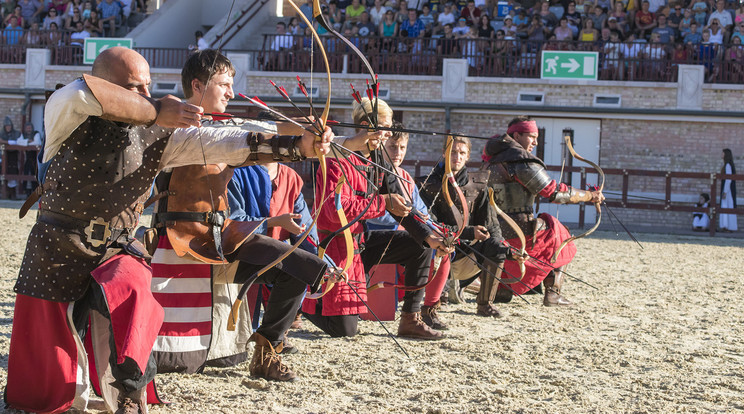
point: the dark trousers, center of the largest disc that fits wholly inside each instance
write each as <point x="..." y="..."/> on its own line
<point x="383" y="247"/>
<point x="288" y="289"/>
<point x="398" y="247"/>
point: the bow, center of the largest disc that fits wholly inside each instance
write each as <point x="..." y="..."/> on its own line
<point x="462" y="219"/>
<point x="513" y="225"/>
<point x="597" y="206"/>
<point x="348" y="240"/>
<point x="232" y="320"/>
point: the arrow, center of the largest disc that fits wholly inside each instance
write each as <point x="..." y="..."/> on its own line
<point x="573" y="65"/>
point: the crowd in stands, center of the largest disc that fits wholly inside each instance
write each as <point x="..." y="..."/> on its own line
<point x="671" y="31"/>
<point x="66" y="22"/>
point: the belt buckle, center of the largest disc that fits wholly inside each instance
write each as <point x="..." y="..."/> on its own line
<point x="98" y="232"/>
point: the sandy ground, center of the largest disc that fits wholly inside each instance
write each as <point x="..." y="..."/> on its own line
<point x="662" y="334"/>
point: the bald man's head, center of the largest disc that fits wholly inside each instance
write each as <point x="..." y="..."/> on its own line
<point x="123" y="67"/>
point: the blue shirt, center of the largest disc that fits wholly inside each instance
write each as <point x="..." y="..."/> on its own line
<point x="413" y="29"/>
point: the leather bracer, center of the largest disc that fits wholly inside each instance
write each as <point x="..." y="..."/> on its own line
<point x="571" y="196"/>
<point x="121" y="105"/>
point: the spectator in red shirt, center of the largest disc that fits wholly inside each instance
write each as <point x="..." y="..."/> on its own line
<point x="471" y="13"/>
<point x="645" y="21"/>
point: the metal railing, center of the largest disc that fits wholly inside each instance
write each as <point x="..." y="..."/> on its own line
<point x="503" y="58"/>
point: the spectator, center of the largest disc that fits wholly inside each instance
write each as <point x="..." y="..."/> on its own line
<point x="17" y="15"/>
<point x="657" y="6"/>
<point x="70" y="8"/>
<point x="619" y="13"/>
<point x="655" y="55"/>
<point x="675" y="18"/>
<point x="30" y="137"/>
<point x="471" y="49"/>
<point x="588" y="32"/>
<point x="9" y="133"/>
<point x="522" y="22"/>
<point x="126" y="9"/>
<point x="87" y="7"/>
<point x="739" y="13"/>
<point x="563" y="32"/>
<point x="461" y="30"/>
<point x="727" y="222"/>
<point x="388" y="26"/>
<point x="377" y="12"/>
<point x="735" y="58"/>
<point x="333" y="15"/>
<point x="738" y="31"/>
<point x="6" y="8"/>
<point x="581" y="8"/>
<point x="708" y="53"/>
<point x="445" y="17"/>
<point x="94" y="25"/>
<point x="78" y="37"/>
<point x="201" y="43"/>
<point x="666" y="33"/>
<point x="447" y="45"/>
<point x="693" y="36"/>
<point x="599" y="18"/>
<point x="722" y="15"/>
<point x="52" y="16"/>
<point x="645" y="20"/>
<point x="471" y="13"/>
<point x="549" y="20"/>
<point x="71" y="21"/>
<point x="427" y="19"/>
<point x="716" y="31"/>
<point x="59" y="5"/>
<point x="413" y="25"/>
<point x="110" y="15"/>
<point x="365" y="26"/>
<point x="510" y="30"/>
<point x="612" y="24"/>
<point x="700" y="8"/>
<point x="354" y="12"/>
<point x="282" y="41"/>
<point x="574" y="18"/>
<point x="632" y="51"/>
<point x="12" y="34"/>
<point x="294" y="27"/>
<point x="32" y="35"/>
<point x="402" y="14"/>
<point x="307" y="9"/>
<point x="684" y="24"/>
<point x="31" y="11"/>
<point x="53" y="37"/>
<point x="701" y="221"/>
<point x="485" y="30"/>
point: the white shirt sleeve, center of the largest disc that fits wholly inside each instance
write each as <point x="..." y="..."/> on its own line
<point x="66" y="109"/>
<point x="223" y="142"/>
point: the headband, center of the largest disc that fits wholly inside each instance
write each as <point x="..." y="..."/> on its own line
<point x="523" y="127"/>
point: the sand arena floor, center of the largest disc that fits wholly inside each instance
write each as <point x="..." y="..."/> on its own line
<point x="662" y="334"/>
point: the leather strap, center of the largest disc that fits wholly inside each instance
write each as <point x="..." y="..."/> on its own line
<point x="216" y="218"/>
<point x="36" y="195"/>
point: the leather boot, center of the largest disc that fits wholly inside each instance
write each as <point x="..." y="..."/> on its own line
<point x="266" y="363"/>
<point x="553" y="283"/>
<point x="430" y="317"/>
<point x="503" y="295"/>
<point x="487" y="291"/>
<point x="287" y="347"/>
<point x="129" y="406"/>
<point x="411" y="326"/>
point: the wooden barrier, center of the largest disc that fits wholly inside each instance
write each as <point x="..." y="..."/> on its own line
<point x="17" y="155"/>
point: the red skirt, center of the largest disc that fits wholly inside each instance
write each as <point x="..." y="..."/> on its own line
<point x="541" y="252"/>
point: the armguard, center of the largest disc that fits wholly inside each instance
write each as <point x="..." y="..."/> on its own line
<point x="572" y="196"/>
<point x="121" y="105"/>
<point x="530" y="174"/>
<point x="280" y="147"/>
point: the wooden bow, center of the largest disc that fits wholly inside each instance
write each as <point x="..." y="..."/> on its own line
<point x="232" y="320"/>
<point x="516" y="229"/>
<point x="597" y="206"/>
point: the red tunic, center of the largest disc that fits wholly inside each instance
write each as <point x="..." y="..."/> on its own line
<point x="341" y="300"/>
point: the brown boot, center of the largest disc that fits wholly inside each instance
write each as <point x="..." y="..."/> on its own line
<point x="129" y="406"/>
<point x="487" y="291"/>
<point x="553" y="283"/>
<point x="411" y="326"/>
<point x="266" y="363"/>
<point x="297" y="324"/>
<point x="503" y="295"/>
<point x="430" y="317"/>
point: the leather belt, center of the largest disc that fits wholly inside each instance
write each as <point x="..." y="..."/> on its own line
<point x="98" y="231"/>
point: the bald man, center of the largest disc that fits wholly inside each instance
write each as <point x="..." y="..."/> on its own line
<point x="106" y="141"/>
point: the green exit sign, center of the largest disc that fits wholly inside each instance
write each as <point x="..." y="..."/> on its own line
<point x="95" y="45"/>
<point x="569" y="65"/>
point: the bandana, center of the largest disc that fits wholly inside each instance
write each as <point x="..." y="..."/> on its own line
<point x="523" y="127"/>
